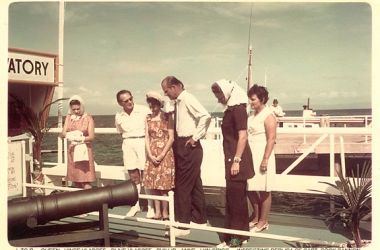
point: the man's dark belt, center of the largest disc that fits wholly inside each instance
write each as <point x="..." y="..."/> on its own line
<point x="184" y="137"/>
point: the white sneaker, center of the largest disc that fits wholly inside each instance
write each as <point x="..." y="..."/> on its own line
<point x="150" y="213"/>
<point x="132" y="212"/>
<point x="178" y="232"/>
<point x="82" y="215"/>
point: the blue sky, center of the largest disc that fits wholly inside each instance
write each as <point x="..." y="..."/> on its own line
<point x="316" y="50"/>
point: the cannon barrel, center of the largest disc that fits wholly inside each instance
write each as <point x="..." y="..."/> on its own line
<point x="42" y="209"/>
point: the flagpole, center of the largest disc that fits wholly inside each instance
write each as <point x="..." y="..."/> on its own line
<point x="60" y="72"/>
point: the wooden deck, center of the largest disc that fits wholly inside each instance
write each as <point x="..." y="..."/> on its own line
<point x="125" y="232"/>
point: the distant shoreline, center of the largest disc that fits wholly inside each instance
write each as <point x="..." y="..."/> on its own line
<point x="331" y="112"/>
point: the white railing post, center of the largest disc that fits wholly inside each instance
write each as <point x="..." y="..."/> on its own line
<point x="23" y="160"/>
<point x="342" y="156"/>
<point x="171" y="218"/>
<point x="59" y="150"/>
<point x="332" y="155"/>
<point x="65" y="150"/>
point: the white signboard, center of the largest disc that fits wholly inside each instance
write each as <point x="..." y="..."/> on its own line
<point x="15" y="165"/>
<point x="30" y="68"/>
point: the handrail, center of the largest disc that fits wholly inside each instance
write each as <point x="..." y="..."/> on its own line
<point x="172" y="223"/>
<point x="323" y="131"/>
<point x="336" y="130"/>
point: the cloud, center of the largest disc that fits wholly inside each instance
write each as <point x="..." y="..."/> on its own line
<point x="200" y="87"/>
<point x="134" y="67"/>
<point x="41" y="9"/>
<point x="268" y="23"/>
<point x="79" y="14"/>
<point x="90" y="92"/>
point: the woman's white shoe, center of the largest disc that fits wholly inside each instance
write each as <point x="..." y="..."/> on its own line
<point x="257" y="229"/>
<point x="252" y="224"/>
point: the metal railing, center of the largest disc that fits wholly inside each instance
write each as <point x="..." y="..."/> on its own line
<point x="172" y="224"/>
<point x="324" y="133"/>
<point x="312" y="138"/>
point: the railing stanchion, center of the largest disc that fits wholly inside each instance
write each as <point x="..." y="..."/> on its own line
<point x="332" y="155"/>
<point x="171" y="218"/>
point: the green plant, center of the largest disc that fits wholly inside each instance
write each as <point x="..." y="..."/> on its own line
<point x="354" y="202"/>
<point x="33" y="123"/>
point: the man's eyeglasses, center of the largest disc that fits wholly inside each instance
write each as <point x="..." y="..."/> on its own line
<point x="127" y="100"/>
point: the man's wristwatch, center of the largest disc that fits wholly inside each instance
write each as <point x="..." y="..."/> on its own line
<point x="237" y="159"/>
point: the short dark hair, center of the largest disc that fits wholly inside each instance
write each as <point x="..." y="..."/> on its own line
<point x="172" y="80"/>
<point x="260" y="91"/>
<point x="123" y="91"/>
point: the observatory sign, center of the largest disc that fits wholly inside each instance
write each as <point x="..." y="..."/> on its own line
<point x="24" y="66"/>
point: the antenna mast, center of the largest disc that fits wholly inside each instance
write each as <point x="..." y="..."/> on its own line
<point x="249" y="76"/>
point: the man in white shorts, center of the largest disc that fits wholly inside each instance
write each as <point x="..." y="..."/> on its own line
<point x="130" y="123"/>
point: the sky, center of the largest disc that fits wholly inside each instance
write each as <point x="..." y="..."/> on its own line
<point x="320" y="51"/>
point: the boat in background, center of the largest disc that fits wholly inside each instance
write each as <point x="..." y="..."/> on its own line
<point x="310" y="119"/>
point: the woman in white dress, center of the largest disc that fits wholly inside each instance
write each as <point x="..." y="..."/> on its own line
<point x="262" y="126"/>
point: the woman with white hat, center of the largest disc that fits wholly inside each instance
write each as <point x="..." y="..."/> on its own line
<point x="159" y="167"/>
<point x="79" y="131"/>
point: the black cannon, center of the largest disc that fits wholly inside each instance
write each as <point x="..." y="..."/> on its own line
<point x="39" y="210"/>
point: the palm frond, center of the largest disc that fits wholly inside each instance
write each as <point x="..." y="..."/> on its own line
<point x="32" y="122"/>
<point x="49" y="104"/>
<point x="354" y="202"/>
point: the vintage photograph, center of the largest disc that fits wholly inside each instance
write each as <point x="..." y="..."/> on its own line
<point x="189" y="124"/>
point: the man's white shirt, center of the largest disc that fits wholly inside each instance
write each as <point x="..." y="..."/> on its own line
<point x="132" y="125"/>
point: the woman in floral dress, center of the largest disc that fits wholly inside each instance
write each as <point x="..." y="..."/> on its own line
<point x="159" y="167"/>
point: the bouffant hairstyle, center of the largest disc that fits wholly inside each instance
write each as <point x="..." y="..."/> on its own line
<point x="260" y="91"/>
<point x="154" y="102"/>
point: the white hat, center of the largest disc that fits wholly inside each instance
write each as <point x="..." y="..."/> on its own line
<point x="155" y="95"/>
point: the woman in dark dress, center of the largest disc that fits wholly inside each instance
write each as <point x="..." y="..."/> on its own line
<point x="237" y="158"/>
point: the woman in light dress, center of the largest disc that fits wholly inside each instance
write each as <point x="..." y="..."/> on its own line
<point x="79" y="131"/>
<point x="262" y="126"/>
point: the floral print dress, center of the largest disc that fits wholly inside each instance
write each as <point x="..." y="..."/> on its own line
<point x="160" y="177"/>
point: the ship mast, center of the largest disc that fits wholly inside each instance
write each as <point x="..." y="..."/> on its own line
<point x="249" y="78"/>
<point x="249" y="75"/>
